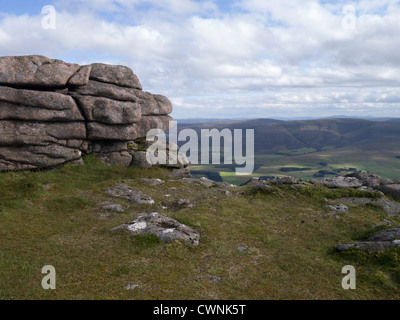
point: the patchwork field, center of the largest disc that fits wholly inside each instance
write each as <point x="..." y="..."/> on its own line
<point x="383" y="163"/>
<point x="315" y="148"/>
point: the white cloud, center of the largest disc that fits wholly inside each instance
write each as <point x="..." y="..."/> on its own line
<point x="259" y="56"/>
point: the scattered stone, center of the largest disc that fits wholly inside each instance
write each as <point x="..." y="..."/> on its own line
<point x="338" y="207"/>
<point x="215" y="279"/>
<point x="202" y="181"/>
<point x="388" y="222"/>
<point x="154" y="182"/>
<point x="109" y="206"/>
<point x="242" y="248"/>
<point x="183" y="203"/>
<point x="47" y="186"/>
<point x="334" y="215"/>
<point x="165" y="228"/>
<point x="126" y="192"/>
<point x="131" y="287"/>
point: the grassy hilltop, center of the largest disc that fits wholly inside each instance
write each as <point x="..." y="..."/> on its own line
<point x="50" y="218"/>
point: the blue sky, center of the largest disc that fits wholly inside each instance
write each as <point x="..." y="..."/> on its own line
<point x="229" y="59"/>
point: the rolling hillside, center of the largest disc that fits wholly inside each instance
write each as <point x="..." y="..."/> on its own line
<point x="317" y="147"/>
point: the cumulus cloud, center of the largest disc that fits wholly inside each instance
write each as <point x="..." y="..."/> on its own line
<point x="245" y="58"/>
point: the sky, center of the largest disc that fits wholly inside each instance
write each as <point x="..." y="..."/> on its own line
<point x="228" y="59"/>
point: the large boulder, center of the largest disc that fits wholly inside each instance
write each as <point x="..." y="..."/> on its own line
<point x="52" y="112"/>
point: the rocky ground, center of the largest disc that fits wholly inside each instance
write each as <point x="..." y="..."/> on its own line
<point x="131" y="233"/>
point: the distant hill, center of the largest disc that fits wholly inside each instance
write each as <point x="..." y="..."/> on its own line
<point x="277" y="136"/>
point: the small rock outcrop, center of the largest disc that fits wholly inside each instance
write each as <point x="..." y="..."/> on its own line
<point x="165" y="228"/>
<point x="126" y="192"/>
<point x="52" y="112"/>
<point x="369" y="179"/>
<point x="339" y="182"/>
<point x="392" y="190"/>
<point x="392" y="208"/>
<point x="388" y="238"/>
<point x="255" y="182"/>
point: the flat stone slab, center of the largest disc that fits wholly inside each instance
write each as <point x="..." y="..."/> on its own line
<point x="165" y="228"/>
<point x="126" y="192"/>
<point x="384" y="239"/>
<point x="37" y="105"/>
<point x="370" y="246"/>
<point x="339" y="182"/>
<point x="36" y="71"/>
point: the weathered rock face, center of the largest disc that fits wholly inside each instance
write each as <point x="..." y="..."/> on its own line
<point x="52" y="112"/>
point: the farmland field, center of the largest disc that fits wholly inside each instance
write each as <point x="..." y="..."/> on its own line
<point x="371" y="146"/>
